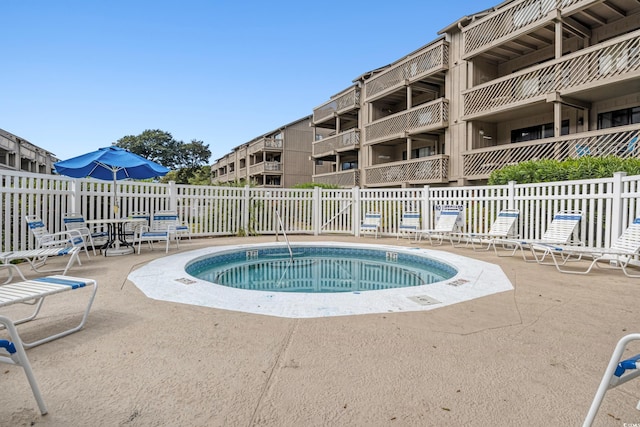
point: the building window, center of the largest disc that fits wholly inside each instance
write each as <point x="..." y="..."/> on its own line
<point x="626" y="116"/>
<point x="349" y="165"/>
<point x="417" y="153"/>
<point x="538" y="132"/>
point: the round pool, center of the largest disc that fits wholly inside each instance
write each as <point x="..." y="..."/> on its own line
<point x="319" y="269"/>
<point x="170" y="278"/>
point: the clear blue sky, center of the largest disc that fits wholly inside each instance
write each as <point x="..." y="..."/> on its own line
<point x="77" y="75"/>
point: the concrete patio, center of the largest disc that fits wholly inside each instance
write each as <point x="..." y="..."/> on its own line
<point x="532" y="356"/>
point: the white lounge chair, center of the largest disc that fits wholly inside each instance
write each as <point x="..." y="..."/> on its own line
<point x="502" y="228"/>
<point x="409" y="224"/>
<point x="624" y="249"/>
<point x="560" y="231"/>
<point x="12" y="352"/>
<point x="74" y="221"/>
<point x="181" y="228"/>
<point x="618" y="372"/>
<point x="37" y="257"/>
<point x="36" y="290"/>
<point x="371" y="223"/>
<point x="162" y="229"/>
<point x="445" y="227"/>
<point x="44" y="239"/>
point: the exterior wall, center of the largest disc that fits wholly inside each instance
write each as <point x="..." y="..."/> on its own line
<point x="20" y="155"/>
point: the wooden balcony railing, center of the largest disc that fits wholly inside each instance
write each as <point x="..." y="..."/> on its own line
<point x="612" y="60"/>
<point x="514" y="20"/>
<point x="340" y="104"/>
<point x="265" y="144"/>
<point x="433" y="169"/>
<point x="623" y="141"/>
<point x="426" y="117"/>
<point x="349" y="140"/>
<point x="435" y="58"/>
<point x="348" y="178"/>
<point x="264" y="167"/>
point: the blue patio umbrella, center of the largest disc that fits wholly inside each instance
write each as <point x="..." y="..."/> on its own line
<point x="110" y="163"/>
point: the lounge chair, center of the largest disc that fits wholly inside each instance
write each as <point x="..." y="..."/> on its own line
<point x="409" y="224"/>
<point x="371" y="223"/>
<point x="162" y="229"/>
<point x="502" y="228"/>
<point x="12" y="352"/>
<point x="445" y="227"/>
<point x="37" y="257"/>
<point x="181" y="228"/>
<point x="34" y="291"/>
<point x="560" y="231"/>
<point x="44" y="239"/>
<point x="618" y="372"/>
<point x="74" y="221"/>
<point x="622" y="251"/>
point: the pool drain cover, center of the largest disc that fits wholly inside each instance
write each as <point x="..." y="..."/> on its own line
<point x="424" y="300"/>
<point x="185" y="281"/>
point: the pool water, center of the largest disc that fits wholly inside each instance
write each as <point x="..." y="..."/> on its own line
<point x="319" y="270"/>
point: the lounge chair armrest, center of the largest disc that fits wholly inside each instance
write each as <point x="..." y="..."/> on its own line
<point x="13" y="269"/>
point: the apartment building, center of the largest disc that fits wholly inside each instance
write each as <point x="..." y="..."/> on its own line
<point x="526" y="79"/>
<point x="280" y="158"/>
<point x="20" y="155"/>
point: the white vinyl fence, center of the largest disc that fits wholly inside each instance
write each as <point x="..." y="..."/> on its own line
<point x="608" y="206"/>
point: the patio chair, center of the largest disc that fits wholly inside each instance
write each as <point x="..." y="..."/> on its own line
<point x="34" y="292"/>
<point x="37" y="257"/>
<point x="618" y="256"/>
<point x="445" y="227"/>
<point x="617" y="372"/>
<point x="74" y="221"/>
<point x="560" y="231"/>
<point x="163" y="228"/>
<point x="12" y="352"/>
<point x="371" y="223"/>
<point x="44" y="239"/>
<point x="409" y="224"/>
<point x="182" y="229"/>
<point x="131" y="228"/>
<point x="502" y="228"/>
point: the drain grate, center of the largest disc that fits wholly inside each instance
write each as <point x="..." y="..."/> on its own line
<point x="424" y="300"/>
<point x="185" y="281"/>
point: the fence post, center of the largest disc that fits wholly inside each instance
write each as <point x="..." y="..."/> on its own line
<point x="355" y="192"/>
<point x="426" y="208"/>
<point x="173" y="196"/>
<point x="616" y="206"/>
<point x="511" y="195"/>
<point x="74" y="201"/>
<point x="316" y="209"/>
<point x="246" y="208"/>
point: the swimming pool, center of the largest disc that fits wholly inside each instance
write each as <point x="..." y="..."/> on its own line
<point x="319" y="269"/>
<point x="166" y="279"/>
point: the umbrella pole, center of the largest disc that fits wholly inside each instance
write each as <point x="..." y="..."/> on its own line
<point x="116" y="206"/>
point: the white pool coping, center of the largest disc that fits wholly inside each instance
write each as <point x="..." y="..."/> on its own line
<point x="166" y="279"/>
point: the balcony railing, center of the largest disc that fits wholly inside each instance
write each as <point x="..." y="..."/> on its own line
<point x="345" y="102"/>
<point x="348" y="178"/>
<point x="349" y="140"/>
<point x="613" y="60"/>
<point x="265" y="144"/>
<point x="426" y="117"/>
<point x="514" y="20"/>
<point x="434" y="59"/>
<point x="433" y="169"/>
<point x="621" y="141"/>
<point x="265" y="167"/>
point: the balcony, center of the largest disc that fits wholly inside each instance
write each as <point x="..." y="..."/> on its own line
<point x="348" y="178"/>
<point x="350" y="100"/>
<point x="426" y="117"/>
<point x="265" y="167"/>
<point x="623" y="141"/>
<point x="427" y="170"/>
<point x="614" y="61"/>
<point x="345" y="141"/>
<point x="265" y="144"/>
<point x="412" y="69"/>
<point x="518" y="19"/>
